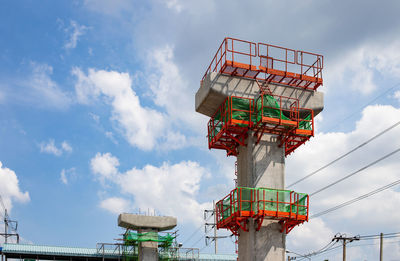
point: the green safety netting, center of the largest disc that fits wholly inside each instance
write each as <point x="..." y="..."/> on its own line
<point x="306" y="123"/>
<point x="242" y="109"/>
<point x="267" y="199"/>
<point x="164" y="242"/>
<point x="271" y="108"/>
<point x="255" y="199"/>
<point x="134" y="238"/>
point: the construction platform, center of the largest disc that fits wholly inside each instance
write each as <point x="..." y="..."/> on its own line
<point x="274" y="114"/>
<point x="288" y="207"/>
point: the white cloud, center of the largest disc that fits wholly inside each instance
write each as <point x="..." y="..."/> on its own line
<point x="169" y="189"/>
<point x="140" y="125"/>
<point x="170" y="90"/>
<point x="66" y="147"/>
<point x="66" y="174"/>
<point x="145" y="127"/>
<point x="95" y="117"/>
<point x="173" y="141"/>
<point x="397" y="96"/>
<point x="75" y="31"/>
<point x="104" y="165"/>
<point x="359" y="64"/>
<point x="42" y="90"/>
<point x="175" y="5"/>
<point x="313" y="235"/>
<point x="50" y="147"/>
<point x="110" y="135"/>
<point x="368" y="215"/>
<point x="9" y="187"/>
<point x="116" y="205"/>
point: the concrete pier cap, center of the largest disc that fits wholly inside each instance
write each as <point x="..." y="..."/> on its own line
<point x="139" y="222"/>
<point x="216" y="87"/>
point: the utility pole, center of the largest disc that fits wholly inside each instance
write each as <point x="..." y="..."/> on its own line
<point x="344" y="250"/>
<point x="213" y="226"/>
<point x="343" y="237"/>
<point x="5" y="226"/>
<point x="381" y="248"/>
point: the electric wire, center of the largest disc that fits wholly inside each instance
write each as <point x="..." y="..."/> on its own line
<point x="368" y="103"/>
<point x="356" y="172"/>
<point x="204" y="247"/>
<point x="369" y="237"/>
<point x="346" y="154"/>
<point x="349" y="246"/>
<point x="327" y="248"/>
<point x="194" y="233"/>
<point x="378" y="235"/>
<point x="397" y="182"/>
<point x="202" y="237"/>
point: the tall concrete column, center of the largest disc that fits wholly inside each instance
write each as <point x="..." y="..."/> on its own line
<point x="262" y="165"/>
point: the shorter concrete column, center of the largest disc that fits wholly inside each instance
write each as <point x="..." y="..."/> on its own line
<point x="148" y="250"/>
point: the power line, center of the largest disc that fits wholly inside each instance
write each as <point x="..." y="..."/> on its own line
<point x="378" y="235"/>
<point x="194" y="233"/>
<point x="327" y="248"/>
<point x="356" y="199"/>
<point x="346" y="154"/>
<point x="393" y="235"/>
<point x="368" y="103"/>
<point x="356" y="172"/>
<point x="202" y="237"/>
<point x="337" y="247"/>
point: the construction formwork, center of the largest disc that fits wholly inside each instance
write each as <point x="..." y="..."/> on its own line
<point x="262" y="100"/>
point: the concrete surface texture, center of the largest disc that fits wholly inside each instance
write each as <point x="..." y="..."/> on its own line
<point x="137" y="222"/>
<point x="262" y="165"/>
<point x="148" y="251"/>
<point x="216" y="87"/>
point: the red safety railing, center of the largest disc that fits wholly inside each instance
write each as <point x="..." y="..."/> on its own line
<point x="278" y="110"/>
<point x="272" y="114"/>
<point x="228" y="126"/>
<point x="311" y="64"/>
<point x="276" y="57"/>
<point x="268" y="62"/>
<point x="234" y="209"/>
<point x="289" y="207"/>
<point x="233" y="53"/>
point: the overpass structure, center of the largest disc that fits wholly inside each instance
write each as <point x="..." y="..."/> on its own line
<point x="103" y="252"/>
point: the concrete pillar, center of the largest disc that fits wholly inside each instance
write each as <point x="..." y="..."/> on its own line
<point x="148" y="250"/>
<point x="262" y="165"/>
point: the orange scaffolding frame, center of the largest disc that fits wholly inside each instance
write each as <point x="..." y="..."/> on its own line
<point x="234" y="211"/>
<point x="224" y="131"/>
<point x="227" y="133"/>
<point x="270" y="63"/>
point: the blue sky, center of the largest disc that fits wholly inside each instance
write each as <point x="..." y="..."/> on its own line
<point x="97" y="113"/>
